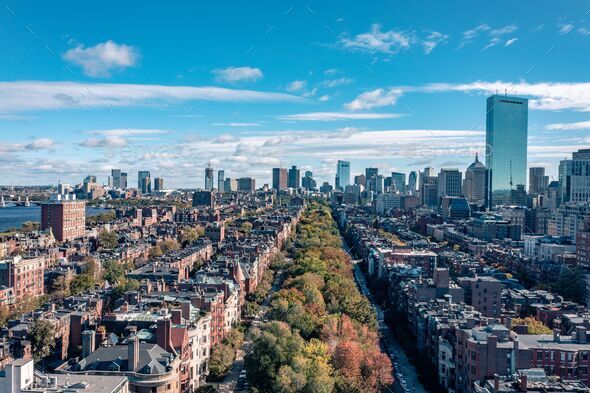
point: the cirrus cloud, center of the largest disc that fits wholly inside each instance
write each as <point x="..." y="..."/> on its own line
<point x="237" y="74"/>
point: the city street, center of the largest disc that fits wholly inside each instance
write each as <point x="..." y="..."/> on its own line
<point x="231" y="379"/>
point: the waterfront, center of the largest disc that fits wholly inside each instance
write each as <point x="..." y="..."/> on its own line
<point x="14" y="217"/>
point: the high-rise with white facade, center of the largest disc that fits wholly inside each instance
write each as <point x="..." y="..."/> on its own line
<point x="574" y="177"/>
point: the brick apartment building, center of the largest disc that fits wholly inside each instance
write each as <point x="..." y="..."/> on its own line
<point x="66" y="217"/>
<point x="21" y="278"/>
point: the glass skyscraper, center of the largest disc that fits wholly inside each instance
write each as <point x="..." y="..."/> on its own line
<point x="506" y="140"/>
<point x="342" y="175"/>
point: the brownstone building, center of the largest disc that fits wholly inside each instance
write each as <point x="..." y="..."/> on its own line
<point x="65" y="217"/>
<point x="22" y="278"/>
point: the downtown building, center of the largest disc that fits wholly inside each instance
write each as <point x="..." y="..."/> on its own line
<point x="280" y="179"/>
<point x="574" y="177"/>
<point x="506" y="141"/>
<point x="342" y="175"/>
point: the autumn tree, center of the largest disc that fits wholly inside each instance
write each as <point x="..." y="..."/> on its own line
<point x="42" y="336"/>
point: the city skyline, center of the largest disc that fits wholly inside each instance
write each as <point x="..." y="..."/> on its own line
<point x="397" y="90"/>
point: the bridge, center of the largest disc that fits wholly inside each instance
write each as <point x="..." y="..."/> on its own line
<point x="18" y="202"/>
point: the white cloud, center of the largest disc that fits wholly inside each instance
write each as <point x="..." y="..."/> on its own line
<point x="584" y="31"/>
<point x="543" y="96"/>
<point x="127" y="132"/>
<point x="334" y="116"/>
<point x="324" y="98"/>
<point x="296" y="86"/>
<point x="40" y="144"/>
<point x="100" y="60"/>
<point x="565" y="28"/>
<point x="106" y="142"/>
<point x="434" y="39"/>
<point x="373" y="99"/>
<point x="495" y="35"/>
<point x="238" y="74"/>
<point x="226" y="138"/>
<point x="37" y="95"/>
<point x="378" y="41"/>
<point x="236" y="124"/>
<point x="331" y="71"/>
<point x="580" y="125"/>
<point x="510" y="41"/>
<point x="337" y="82"/>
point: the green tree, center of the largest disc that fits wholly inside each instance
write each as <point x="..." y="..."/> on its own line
<point x="42" y="336"/>
<point x="113" y="271"/>
<point x="220" y="362"/>
<point x="572" y="284"/>
<point x="107" y="240"/>
<point x="81" y="283"/>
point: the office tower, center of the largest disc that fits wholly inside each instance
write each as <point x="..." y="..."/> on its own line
<point x="209" y="178"/>
<point x="247" y="184"/>
<point x="342" y="175"/>
<point x="412" y="182"/>
<point x="204" y="198"/>
<point x="538" y="182"/>
<point x="65" y="216"/>
<point x="124" y="180"/>
<point x="220" y="180"/>
<point x="474" y="185"/>
<point x="568" y="219"/>
<point x="370" y="175"/>
<point x="90" y="179"/>
<point x="352" y="194"/>
<point x="428" y="187"/>
<point x="361" y="180"/>
<point x="574" y="177"/>
<point x="116" y="178"/>
<point x="110" y="182"/>
<point x="398" y="181"/>
<point x="449" y="183"/>
<point x="325" y="187"/>
<point x="379" y="183"/>
<point x="506" y="140"/>
<point x="294" y="175"/>
<point x="280" y="178"/>
<point x="144" y="182"/>
<point x="158" y="184"/>
<point x="230" y="185"/>
<point x="308" y="182"/>
<point x="518" y="196"/>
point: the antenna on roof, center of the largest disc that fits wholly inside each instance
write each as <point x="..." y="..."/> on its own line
<point x="511" y="174"/>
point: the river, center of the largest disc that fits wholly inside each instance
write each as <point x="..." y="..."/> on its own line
<point x="14" y="216"/>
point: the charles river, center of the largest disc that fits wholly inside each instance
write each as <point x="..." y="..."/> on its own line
<point x="13" y="217"/>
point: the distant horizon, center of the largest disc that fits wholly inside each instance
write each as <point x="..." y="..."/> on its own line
<point x="392" y="86"/>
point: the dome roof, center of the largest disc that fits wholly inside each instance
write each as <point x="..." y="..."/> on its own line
<point x="476" y="164"/>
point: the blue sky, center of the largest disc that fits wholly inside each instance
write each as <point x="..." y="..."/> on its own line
<point x="248" y="86"/>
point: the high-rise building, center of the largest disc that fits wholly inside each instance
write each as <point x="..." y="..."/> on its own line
<point x="428" y="187"/>
<point x="65" y="216"/>
<point x="280" y="178"/>
<point x="220" y="179"/>
<point x="538" y="182"/>
<point x="412" y="182"/>
<point x="144" y="182"/>
<point x="230" y="185"/>
<point x="123" y="180"/>
<point x="506" y="140"/>
<point x="209" y="178"/>
<point x="574" y="177"/>
<point x="379" y="183"/>
<point x="116" y="178"/>
<point x="342" y="175"/>
<point x="294" y="179"/>
<point x="449" y="183"/>
<point x="308" y="182"/>
<point x="475" y="184"/>
<point x="158" y="184"/>
<point x="204" y="198"/>
<point x="247" y="184"/>
<point x="370" y="175"/>
<point x="360" y="180"/>
<point x="398" y="181"/>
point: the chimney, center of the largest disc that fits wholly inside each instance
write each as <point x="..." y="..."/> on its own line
<point x="556" y="335"/>
<point x="496" y="383"/>
<point x="88" y="343"/>
<point x="177" y="316"/>
<point x="163" y="333"/>
<point x="186" y="310"/>
<point x="133" y="353"/>
<point x="581" y="334"/>
<point x="509" y="323"/>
